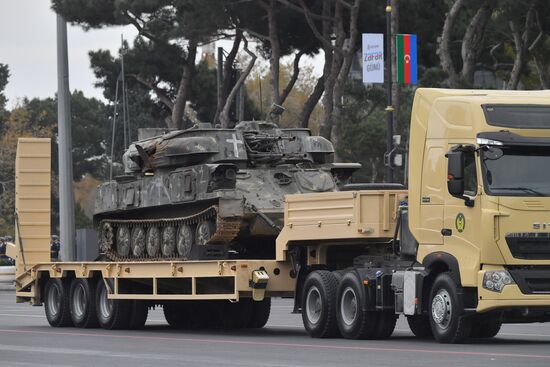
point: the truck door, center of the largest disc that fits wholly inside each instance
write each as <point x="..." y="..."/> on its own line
<point x="462" y="223"/>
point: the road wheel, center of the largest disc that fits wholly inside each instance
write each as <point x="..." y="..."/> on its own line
<point x="106" y="237"/>
<point x="353" y="321"/>
<point x="82" y="303"/>
<point x="138" y="315"/>
<point x="486" y="326"/>
<point x="446" y="311"/>
<point x="111" y="313"/>
<point x="56" y="303"/>
<point x="319" y="304"/>
<point x="153" y="241"/>
<point x="386" y="324"/>
<point x="204" y="232"/>
<point x="260" y="313"/>
<point x="184" y="240"/>
<point x="123" y="241"/>
<point x="420" y="326"/>
<point x="138" y="241"/>
<point x="168" y="241"/>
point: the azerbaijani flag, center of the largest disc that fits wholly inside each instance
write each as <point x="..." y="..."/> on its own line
<point x="407" y="67"/>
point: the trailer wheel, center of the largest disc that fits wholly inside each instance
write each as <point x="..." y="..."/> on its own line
<point x="82" y="303"/>
<point x="138" y="315"/>
<point x="234" y="315"/>
<point x="420" y="326"/>
<point x="56" y="303"/>
<point x="353" y="321"/>
<point x="386" y="324"/>
<point x="260" y="313"/>
<point x="319" y="304"/>
<point x="446" y="311"/>
<point x="177" y="314"/>
<point x="486" y="326"/>
<point x="111" y="313"/>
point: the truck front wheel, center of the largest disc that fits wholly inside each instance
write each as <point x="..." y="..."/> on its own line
<point x="420" y="326"/>
<point x="446" y="311"/>
<point x="319" y="304"/>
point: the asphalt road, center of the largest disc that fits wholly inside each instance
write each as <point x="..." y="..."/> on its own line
<point x="27" y="339"/>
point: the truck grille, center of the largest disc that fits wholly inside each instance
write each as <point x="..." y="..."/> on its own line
<point x="531" y="246"/>
<point x="531" y="279"/>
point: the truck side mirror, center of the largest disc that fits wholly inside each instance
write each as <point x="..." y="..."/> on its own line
<point x="455" y="173"/>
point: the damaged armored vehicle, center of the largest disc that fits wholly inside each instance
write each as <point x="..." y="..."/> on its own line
<point x="211" y="193"/>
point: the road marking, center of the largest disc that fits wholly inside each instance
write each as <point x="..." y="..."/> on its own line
<point x="288" y="345"/>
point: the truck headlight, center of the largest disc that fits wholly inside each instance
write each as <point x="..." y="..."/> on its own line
<point x="495" y="280"/>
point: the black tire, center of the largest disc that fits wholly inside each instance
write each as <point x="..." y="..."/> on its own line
<point x="486" y="326"/>
<point x="386" y="324"/>
<point x="319" y="304"/>
<point x="138" y="315"/>
<point x="420" y="326"/>
<point x="111" y="313"/>
<point x="234" y="315"/>
<point x="56" y="303"/>
<point x="175" y="315"/>
<point x="355" y="322"/>
<point x="82" y="303"/>
<point x="260" y="313"/>
<point x="446" y="311"/>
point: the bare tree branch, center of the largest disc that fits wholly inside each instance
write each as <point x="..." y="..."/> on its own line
<point x="224" y="116"/>
<point x="326" y="42"/>
<point x="159" y="92"/>
<point x="444" y="49"/>
<point x="293" y="79"/>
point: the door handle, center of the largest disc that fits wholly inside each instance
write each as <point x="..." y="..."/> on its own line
<point x="446" y="232"/>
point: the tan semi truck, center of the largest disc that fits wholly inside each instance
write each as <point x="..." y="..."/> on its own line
<point x="464" y="249"/>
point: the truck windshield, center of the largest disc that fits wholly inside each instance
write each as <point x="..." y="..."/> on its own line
<point x="519" y="171"/>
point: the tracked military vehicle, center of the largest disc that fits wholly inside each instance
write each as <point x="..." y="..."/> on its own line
<point x="207" y="192"/>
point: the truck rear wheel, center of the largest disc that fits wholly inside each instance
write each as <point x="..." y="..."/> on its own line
<point x="82" y="303"/>
<point x="386" y="324"/>
<point x="260" y="313"/>
<point x="446" y="311"/>
<point x="353" y="321"/>
<point x="56" y="303"/>
<point x="319" y="304"/>
<point x="111" y="313"/>
<point x="420" y="326"/>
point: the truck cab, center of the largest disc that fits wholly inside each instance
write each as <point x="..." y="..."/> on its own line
<point x="479" y="195"/>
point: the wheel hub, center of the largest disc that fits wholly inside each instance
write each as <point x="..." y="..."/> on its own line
<point x="442" y="309"/>
<point x="348" y="306"/>
<point x="313" y="305"/>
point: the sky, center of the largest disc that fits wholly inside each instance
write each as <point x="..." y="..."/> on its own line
<point x="28" y="46"/>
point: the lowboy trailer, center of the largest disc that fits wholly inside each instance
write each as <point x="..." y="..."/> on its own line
<point x="464" y="249"/>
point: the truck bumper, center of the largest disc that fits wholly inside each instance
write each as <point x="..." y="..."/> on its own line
<point x="511" y="296"/>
